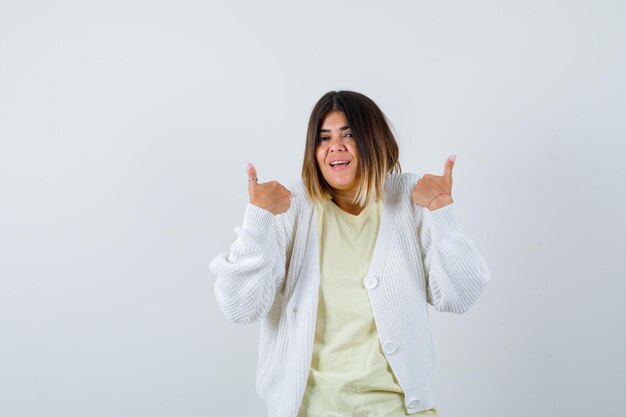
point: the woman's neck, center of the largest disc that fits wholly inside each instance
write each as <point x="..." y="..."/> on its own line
<point x="344" y="202"/>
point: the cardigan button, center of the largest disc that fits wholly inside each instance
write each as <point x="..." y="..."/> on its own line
<point x="370" y="282"/>
<point x="413" y="402"/>
<point x="389" y="347"/>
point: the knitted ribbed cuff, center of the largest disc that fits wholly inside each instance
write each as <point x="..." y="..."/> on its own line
<point x="257" y="221"/>
<point x="446" y="219"/>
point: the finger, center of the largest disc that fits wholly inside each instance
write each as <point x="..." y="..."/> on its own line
<point x="447" y="170"/>
<point x="251" y="171"/>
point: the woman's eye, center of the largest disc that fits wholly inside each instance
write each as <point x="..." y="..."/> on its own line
<point x="349" y="135"/>
<point x="323" y="138"/>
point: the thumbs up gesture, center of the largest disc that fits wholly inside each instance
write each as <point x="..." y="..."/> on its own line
<point x="434" y="191"/>
<point x="271" y="196"/>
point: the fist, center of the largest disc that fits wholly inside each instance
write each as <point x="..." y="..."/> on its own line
<point x="428" y="189"/>
<point x="271" y="196"/>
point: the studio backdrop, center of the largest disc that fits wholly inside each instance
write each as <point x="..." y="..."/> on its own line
<point x="125" y="128"/>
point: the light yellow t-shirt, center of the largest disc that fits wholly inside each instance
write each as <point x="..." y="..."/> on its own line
<point x="349" y="375"/>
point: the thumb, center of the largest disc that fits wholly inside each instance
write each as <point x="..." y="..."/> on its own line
<point x="251" y="174"/>
<point x="251" y="170"/>
<point x="447" y="170"/>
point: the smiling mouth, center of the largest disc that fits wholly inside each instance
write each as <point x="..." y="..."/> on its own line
<point x="338" y="163"/>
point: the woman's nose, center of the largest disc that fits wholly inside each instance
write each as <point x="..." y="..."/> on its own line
<point x="337" y="144"/>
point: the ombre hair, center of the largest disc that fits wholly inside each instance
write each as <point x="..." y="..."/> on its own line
<point x="376" y="146"/>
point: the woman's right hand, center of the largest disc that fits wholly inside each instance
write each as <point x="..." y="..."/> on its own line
<point x="271" y="196"/>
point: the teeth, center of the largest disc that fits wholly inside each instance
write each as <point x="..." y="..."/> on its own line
<point x="332" y="164"/>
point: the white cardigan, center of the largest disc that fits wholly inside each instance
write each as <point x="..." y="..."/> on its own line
<point x="272" y="274"/>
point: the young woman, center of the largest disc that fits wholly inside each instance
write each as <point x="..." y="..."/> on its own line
<point x="340" y="269"/>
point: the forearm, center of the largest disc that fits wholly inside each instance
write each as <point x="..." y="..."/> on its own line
<point x="457" y="272"/>
<point x="248" y="275"/>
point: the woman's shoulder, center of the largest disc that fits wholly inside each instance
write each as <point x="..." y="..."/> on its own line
<point x="398" y="180"/>
<point x="297" y="189"/>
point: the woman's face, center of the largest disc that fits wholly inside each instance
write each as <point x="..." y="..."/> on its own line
<point x="337" y="154"/>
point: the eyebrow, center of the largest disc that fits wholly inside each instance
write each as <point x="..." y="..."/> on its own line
<point x="328" y="130"/>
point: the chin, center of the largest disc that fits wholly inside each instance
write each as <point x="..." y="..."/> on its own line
<point x="342" y="186"/>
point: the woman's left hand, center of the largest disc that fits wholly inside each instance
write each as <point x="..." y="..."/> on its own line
<point x="428" y="188"/>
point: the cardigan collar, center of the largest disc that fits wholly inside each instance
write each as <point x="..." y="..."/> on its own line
<point x="389" y="210"/>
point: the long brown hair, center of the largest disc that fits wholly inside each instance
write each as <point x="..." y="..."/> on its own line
<point x="376" y="145"/>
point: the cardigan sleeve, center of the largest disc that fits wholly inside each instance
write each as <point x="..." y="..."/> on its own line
<point x="455" y="270"/>
<point x="250" y="274"/>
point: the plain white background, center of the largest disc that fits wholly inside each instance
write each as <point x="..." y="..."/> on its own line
<point x="125" y="127"/>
